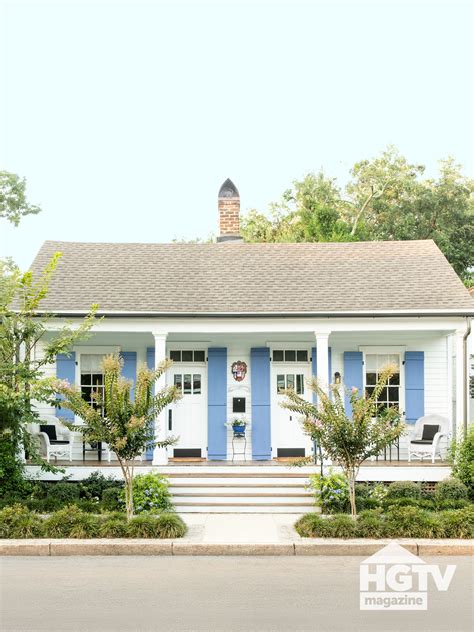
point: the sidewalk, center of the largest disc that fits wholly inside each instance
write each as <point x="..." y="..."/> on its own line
<point x="241" y="528"/>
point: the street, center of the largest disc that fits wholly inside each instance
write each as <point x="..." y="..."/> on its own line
<point x="211" y="594"/>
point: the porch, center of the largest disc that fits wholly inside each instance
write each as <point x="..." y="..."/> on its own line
<point x="229" y="369"/>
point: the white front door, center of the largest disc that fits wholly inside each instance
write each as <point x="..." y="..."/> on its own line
<point x="187" y="418"/>
<point x="289" y="439"/>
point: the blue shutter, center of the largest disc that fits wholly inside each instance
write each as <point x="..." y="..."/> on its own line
<point x="414" y="385"/>
<point x="150" y="362"/>
<point x="314" y="368"/>
<point x="353" y="375"/>
<point x="65" y="370"/>
<point x="217" y="404"/>
<point x="129" y="369"/>
<point x="261" y="425"/>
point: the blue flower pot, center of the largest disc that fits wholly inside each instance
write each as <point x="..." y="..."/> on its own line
<point x="238" y="430"/>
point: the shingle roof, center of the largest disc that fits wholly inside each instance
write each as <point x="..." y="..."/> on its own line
<point x="239" y="278"/>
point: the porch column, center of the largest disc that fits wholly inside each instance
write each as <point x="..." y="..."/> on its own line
<point x="459" y="384"/>
<point x="160" y="456"/>
<point x="322" y="363"/>
<point x="322" y="360"/>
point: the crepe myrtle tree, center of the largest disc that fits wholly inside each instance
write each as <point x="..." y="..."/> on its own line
<point x="348" y="439"/>
<point x="125" y="423"/>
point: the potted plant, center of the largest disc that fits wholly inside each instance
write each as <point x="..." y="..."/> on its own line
<point x="238" y="426"/>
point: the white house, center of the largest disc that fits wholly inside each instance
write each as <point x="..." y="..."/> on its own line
<point x="243" y="321"/>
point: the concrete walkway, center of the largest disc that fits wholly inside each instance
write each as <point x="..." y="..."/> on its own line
<point x="241" y="528"/>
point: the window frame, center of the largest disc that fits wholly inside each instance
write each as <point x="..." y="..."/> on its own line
<point x="387" y="350"/>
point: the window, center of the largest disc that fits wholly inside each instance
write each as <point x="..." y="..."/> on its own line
<point x="187" y="383"/>
<point x="290" y="380"/>
<point x="374" y="364"/>
<point x="92" y="380"/>
<point x="188" y="355"/>
<point x="290" y="355"/>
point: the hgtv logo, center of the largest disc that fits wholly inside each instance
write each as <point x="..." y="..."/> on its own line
<point x="395" y="579"/>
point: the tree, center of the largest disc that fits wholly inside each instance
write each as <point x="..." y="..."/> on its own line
<point x="348" y="439"/>
<point x="125" y="423"/>
<point x="21" y="369"/>
<point x="13" y="202"/>
<point x="386" y="198"/>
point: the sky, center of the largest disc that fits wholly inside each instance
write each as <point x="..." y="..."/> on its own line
<point x="126" y="117"/>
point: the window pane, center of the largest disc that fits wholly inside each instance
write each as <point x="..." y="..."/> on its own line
<point x="97" y="378"/>
<point x="199" y="356"/>
<point x="383" y="395"/>
<point x="91" y="363"/>
<point x="382" y="361"/>
<point x="369" y="390"/>
<point x="302" y="356"/>
<point x="86" y="378"/>
<point x="197" y="384"/>
<point x="370" y="362"/>
<point x="371" y="379"/>
<point x="178" y="381"/>
<point x="290" y="381"/>
<point x="394" y="358"/>
<point x="187" y="383"/>
<point x="393" y="394"/>
<point x="187" y="356"/>
<point x="395" y="379"/>
<point x="278" y="356"/>
<point x="86" y="393"/>
<point x="175" y="356"/>
<point x="290" y="355"/>
<point x="280" y="383"/>
<point x="300" y="384"/>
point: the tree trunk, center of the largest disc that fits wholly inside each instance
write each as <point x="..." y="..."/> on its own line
<point x="351" y="476"/>
<point x="128" y="480"/>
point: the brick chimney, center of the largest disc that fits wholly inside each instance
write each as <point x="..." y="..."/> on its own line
<point x="229" y="212"/>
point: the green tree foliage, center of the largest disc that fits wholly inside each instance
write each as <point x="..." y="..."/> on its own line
<point x="386" y="198"/>
<point x="128" y="425"/>
<point x="21" y="369"/>
<point x="348" y="440"/>
<point x="13" y="202"/>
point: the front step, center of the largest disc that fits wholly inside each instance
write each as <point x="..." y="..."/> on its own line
<point x="234" y="490"/>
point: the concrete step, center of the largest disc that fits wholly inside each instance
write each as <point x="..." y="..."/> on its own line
<point x="236" y="480"/>
<point x="232" y="490"/>
<point x="240" y="509"/>
<point x="243" y="499"/>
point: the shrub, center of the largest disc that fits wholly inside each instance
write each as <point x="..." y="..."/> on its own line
<point x="463" y="467"/>
<point x="312" y="526"/>
<point x="341" y="526"/>
<point x="412" y="522"/>
<point x="163" y="526"/>
<point x="96" y="484"/>
<point x="19" y="522"/>
<point x="71" y="522"/>
<point x="451" y="489"/>
<point x="422" y="503"/>
<point x="452" y="504"/>
<point x="64" y="492"/>
<point x="370" y="524"/>
<point x="111" y="499"/>
<point x="458" y="523"/>
<point x="114" y="525"/>
<point x="331" y="492"/>
<point x="403" y="489"/>
<point x="150" y="494"/>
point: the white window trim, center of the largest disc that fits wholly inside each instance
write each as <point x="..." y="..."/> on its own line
<point x="387" y="350"/>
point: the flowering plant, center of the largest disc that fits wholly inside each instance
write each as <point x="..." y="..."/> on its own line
<point x="331" y="491"/>
<point x="348" y="437"/>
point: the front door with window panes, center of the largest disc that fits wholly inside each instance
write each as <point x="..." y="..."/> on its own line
<point x="374" y="365"/>
<point x="187" y="418"/>
<point x="291" y="368"/>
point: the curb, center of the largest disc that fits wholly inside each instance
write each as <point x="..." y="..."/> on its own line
<point x="305" y="546"/>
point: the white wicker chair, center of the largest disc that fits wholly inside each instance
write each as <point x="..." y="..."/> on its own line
<point x="426" y="435"/>
<point x="52" y="442"/>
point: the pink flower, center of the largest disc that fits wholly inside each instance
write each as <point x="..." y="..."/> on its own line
<point x="318" y="423"/>
<point x="354" y="390"/>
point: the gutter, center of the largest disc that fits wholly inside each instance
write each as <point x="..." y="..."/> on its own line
<point x="390" y="314"/>
<point x="465" y="373"/>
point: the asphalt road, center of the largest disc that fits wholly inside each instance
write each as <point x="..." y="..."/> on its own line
<point x="211" y="594"/>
